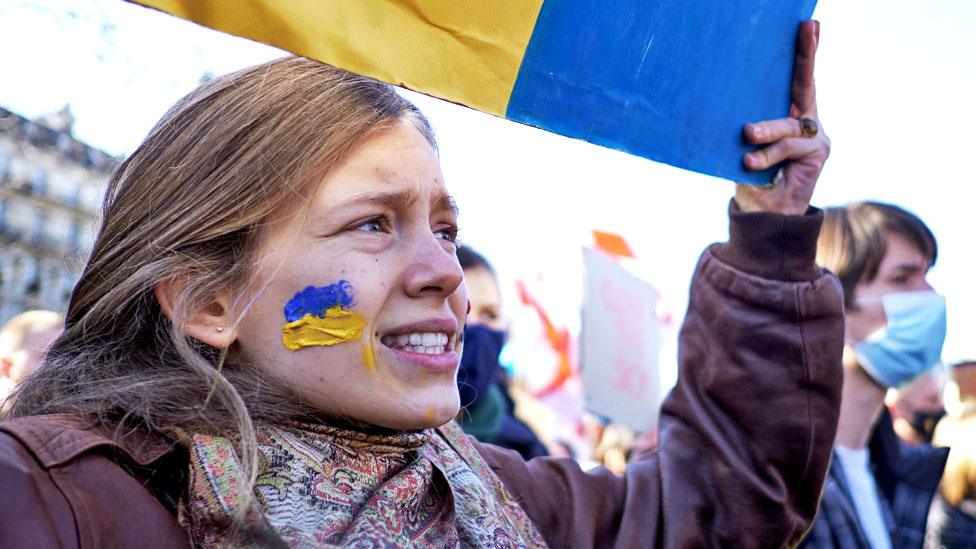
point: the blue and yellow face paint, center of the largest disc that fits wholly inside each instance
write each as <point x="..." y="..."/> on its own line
<point x="321" y="316"/>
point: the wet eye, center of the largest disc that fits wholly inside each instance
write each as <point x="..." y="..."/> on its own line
<point x="449" y="234"/>
<point x="373" y="225"/>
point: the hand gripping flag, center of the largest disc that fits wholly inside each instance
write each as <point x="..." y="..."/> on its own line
<point x="670" y="80"/>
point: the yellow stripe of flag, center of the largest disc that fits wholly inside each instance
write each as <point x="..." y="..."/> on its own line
<point x="470" y="55"/>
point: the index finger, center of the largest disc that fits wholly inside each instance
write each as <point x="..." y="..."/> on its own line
<point x="804" y="95"/>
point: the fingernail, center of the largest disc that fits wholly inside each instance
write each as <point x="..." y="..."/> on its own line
<point x="756" y="130"/>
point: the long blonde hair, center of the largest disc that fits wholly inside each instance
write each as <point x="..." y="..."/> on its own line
<point x="189" y="205"/>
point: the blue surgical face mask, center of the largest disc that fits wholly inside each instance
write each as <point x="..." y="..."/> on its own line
<point x="912" y="342"/>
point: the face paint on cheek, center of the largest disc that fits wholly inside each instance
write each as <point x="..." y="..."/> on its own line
<point x="320" y="316"/>
<point x="368" y="360"/>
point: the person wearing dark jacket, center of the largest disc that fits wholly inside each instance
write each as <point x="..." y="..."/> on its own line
<point x="879" y="489"/>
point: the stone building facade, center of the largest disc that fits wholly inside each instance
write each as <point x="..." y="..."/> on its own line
<point x="51" y="188"/>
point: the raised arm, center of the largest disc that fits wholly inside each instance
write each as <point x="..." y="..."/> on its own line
<point x="746" y="434"/>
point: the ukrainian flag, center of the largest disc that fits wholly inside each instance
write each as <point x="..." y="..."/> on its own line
<point x="669" y="80"/>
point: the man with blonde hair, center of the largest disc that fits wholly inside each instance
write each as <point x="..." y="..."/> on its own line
<point x="24" y="341"/>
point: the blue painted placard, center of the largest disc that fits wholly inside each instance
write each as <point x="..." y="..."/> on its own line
<point x="669" y="80"/>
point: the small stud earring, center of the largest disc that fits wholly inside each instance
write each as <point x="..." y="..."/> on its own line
<point x="220" y="328"/>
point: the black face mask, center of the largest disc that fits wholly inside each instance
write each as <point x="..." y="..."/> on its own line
<point x="924" y="423"/>
<point x="479" y="362"/>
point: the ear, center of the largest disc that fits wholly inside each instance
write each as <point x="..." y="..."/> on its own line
<point x="5" y="364"/>
<point x="210" y="322"/>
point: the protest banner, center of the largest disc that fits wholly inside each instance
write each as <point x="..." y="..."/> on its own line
<point x="619" y="344"/>
<point x="670" y="80"/>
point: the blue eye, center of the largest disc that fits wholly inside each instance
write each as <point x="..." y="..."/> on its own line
<point x="373" y="225"/>
<point x="449" y="234"/>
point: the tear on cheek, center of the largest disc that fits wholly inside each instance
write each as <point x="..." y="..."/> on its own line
<point x="318" y="316"/>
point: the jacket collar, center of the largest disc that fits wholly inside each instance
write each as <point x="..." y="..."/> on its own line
<point x="57" y="439"/>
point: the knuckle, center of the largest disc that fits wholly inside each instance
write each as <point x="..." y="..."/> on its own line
<point x="797" y="126"/>
<point x="825" y="146"/>
<point x="762" y="157"/>
<point x="780" y="151"/>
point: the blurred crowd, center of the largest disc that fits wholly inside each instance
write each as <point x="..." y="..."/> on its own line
<point x="904" y="468"/>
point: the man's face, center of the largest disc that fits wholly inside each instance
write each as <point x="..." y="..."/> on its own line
<point x="903" y="269"/>
<point x="30" y="356"/>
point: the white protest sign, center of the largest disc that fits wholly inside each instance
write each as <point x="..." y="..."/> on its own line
<point x="619" y="344"/>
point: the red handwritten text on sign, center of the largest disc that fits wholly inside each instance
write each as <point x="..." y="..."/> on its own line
<point x="630" y="313"/>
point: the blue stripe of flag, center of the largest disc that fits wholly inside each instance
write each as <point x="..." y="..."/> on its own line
<point x="669" y="80"/>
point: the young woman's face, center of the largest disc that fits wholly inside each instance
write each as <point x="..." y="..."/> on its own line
<point x="359" y="305"/>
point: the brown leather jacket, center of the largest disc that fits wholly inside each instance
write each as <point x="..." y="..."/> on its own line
<point x="745" y="435"/>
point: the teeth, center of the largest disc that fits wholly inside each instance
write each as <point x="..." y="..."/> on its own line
<point x="424" y="350"/>
<point x="431" y="343"/>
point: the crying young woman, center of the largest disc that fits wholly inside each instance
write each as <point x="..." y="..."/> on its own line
<point x="262" y="350"/>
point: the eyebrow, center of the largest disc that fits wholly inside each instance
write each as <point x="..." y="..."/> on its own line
<point x="395" y="199"/>
<point x="445" y="201"/>
<point x="909" y="268"/>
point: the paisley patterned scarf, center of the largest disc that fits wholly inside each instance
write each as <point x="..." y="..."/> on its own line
<point x="320" y="486"/>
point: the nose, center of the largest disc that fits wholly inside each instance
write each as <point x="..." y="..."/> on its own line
<point x="433" y="269"/>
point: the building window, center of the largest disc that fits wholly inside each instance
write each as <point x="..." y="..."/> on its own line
<point x="74" y="236"/>
<point x="39" y="181"/>
<point x="64" y="143"/>
<point x="73" y="197"/>
<point x="33" y="283"/>
<point x="38" y="231"/>
<point x="18" y="217"/>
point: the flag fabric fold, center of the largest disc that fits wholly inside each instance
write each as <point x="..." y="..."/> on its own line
<point x="670" y="80"/>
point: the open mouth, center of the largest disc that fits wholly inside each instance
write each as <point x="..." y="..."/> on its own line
<point x="426" y="343"/>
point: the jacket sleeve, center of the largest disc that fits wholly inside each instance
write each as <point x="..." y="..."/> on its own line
<point x="33" y="511"/>
<point x="745" y="435"/>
